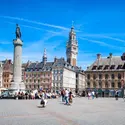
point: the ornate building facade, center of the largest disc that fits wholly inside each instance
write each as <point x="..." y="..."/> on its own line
<point x="53" y="76"/>
<point x="38" y="74"/>
<point x="107" y="74"/>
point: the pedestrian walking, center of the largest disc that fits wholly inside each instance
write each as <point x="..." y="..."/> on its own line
<point x="89" y="95"/>
<point x="93" y="94"/>
<point x="63" y="95"/>
<point x="66" y="96"/>
<point x="70" y="97"/>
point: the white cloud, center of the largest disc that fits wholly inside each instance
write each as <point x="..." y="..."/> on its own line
<point x="116" y="39"/>
<point x="32" y="27"/>
<point x="35" y="22"/>
<point x="107" y="36"/>
<point x="102" y="43"/>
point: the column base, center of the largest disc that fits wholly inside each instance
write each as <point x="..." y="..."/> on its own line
<point x="17" y="86"/>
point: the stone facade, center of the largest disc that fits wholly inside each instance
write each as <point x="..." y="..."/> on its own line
<point x="38" y="74"/>
<point x="106" y="73"/>
<point x="64" y="75"/>
<point x="7" y="73"/>
<point x="34" y="79"/>
<point x="1" y="73"/>
<point x="80" y="83"/>
<point x="52" y="76"/>
<point x="69" y="79"/>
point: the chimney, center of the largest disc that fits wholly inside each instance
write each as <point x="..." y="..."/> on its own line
<point x="55" y="59"/>
<point x="98" y="56"/>
<point x="110" y="55"/>
<point x="98" y="59"/>
<point x="9" y="61"/>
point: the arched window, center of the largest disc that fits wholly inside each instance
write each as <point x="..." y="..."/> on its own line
<point x="88" y="84"/>
<point x="113" y="76"/>
<point x="94" y="76"/>
<point x="119" y="76"/>
<point x="88" y="76"/>
<point x="106" y="76"/>
<point x="38" y="81"/>
<point x="38" y="86"/>
<point x="100" y="84"/>
<point x="94" y="85"/>
<point x="119" y="84"/>
<point x="100" y="76"/>
<point x="30" y="86"/>
<point x="113" y="85"/>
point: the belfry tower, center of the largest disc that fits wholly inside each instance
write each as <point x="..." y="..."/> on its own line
<point x="72" y="48"/>
<point x="44" y="57"/>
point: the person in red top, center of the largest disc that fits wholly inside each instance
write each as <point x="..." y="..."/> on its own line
<point x="70" y="97"/>
<point x="63" y="95"/>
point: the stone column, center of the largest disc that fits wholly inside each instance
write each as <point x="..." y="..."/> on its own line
<point x="17" y="83"/>
<point x="91" y="84"/>
<point x="116" y="84"/>
<point x="109" y="84"/>
<point x="103" y="84"/>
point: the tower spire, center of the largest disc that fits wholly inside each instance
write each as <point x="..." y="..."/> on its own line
<point x="72" y="47"/>
<point x="44" y="56"/>
<point x="72" y="24"/>
<point x="44" y="52"/>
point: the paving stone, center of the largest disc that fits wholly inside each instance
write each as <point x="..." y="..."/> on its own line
<point x="99" y="111"/>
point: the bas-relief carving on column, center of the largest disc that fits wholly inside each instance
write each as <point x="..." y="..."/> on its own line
<point x="91" y="84"/>
<point x="116" y="84"/>
<point x="109" y="84"/>
<point x="103" y="84"/>
<point x="97" y="84"/>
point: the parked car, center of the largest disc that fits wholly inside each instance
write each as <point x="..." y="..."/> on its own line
<point x="7" y="95"/>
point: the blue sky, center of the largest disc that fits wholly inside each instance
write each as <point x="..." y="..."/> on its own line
<point x="100" y="27"/>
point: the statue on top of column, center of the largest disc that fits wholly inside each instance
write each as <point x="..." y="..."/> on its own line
<point x="18" y="33"/>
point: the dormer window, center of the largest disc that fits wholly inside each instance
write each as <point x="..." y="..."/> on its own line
<point x="119" y="67"/>
<point x="112" y="67"/>
<point x="94" y="67"/>
<point x="106" y="67"/>
<point x="100" y="67"/>
<point x="123" y="56"/>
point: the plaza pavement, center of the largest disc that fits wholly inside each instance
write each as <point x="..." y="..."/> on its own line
<point x="82" y="112"/>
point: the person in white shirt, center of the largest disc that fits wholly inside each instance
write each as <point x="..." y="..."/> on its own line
<point x="66" y="96"/>
<point x="93" y="94"/>
<point x="43" y="100"/>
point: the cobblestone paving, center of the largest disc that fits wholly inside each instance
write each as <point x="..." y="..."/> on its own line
<point x="82" y="112"/>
